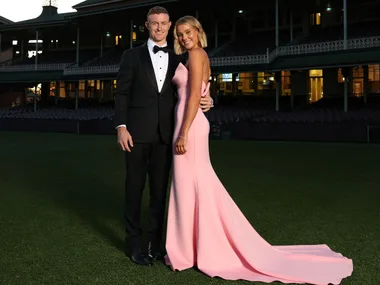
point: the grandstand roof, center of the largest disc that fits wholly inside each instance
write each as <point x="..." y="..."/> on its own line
<point x="91" y="3"/>
<point x="48" y="17"/>
<point x="5" y="20"/>
<point x="93" y="7"/>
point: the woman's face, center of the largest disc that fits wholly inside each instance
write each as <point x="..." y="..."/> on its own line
<point x="187" y="36"/>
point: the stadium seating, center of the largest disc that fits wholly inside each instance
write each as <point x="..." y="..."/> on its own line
<point x="83" y="114"/>
<point x="256" y="43"/>
<point x="110" y="57"/>
<point x="220" y="115"/>
<point x="334" y="33"/>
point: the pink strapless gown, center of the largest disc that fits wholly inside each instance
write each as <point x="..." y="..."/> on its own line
<point x="206" y="228"/>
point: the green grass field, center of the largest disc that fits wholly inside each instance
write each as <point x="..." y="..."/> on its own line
<point x="62" y="197"/>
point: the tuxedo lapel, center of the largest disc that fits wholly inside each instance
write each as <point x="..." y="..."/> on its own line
<point x="148" y="66"/>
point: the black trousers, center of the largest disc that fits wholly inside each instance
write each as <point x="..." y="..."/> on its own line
<point x="154" y="159"/>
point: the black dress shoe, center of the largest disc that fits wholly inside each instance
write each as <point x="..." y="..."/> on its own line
<point x="154" y="253"/>
<point x="139" y="258"/>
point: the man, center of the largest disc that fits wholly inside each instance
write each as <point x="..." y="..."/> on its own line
<point x="144" y="118"/>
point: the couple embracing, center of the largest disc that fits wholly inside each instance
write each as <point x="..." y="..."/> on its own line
<point x="161" y="97"/>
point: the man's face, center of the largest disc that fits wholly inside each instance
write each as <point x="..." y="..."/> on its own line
<point x="158" y="26"/>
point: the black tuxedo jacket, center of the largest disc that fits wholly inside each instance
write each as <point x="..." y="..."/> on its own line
<point x="138" y="103"/>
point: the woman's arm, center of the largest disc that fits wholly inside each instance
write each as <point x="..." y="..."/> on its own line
<point x="196" y="60"/>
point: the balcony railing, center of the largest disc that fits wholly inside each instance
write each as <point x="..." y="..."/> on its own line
<point x="239" y="60"/>
<point x="91" y="70"/>
<point x="310" y="48"/>
<point x="34" y="67"/>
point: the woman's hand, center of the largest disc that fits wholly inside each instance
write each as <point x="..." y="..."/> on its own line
<point x="180" y="145"/>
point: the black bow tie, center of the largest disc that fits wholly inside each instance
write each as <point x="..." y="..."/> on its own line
<point x="157" y="48"/>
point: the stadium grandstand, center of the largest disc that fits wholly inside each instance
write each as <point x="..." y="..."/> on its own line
<point x="4" y="47"/>
<point x="284" y="69"/>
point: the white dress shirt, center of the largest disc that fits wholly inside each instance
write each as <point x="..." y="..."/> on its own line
<point x="160" y="61"/>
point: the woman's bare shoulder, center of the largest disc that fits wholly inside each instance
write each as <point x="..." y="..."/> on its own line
<point x="198" y="55"/>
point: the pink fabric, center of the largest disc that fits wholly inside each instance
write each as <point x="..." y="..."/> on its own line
<point x="206" y="228"/>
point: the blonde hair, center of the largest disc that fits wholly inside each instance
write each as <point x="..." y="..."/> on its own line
<point x="193" y="22"/>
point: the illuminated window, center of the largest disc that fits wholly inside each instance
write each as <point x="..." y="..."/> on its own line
<point x="374" y="78"/>
<point x="286" y="82"/>
<point x="265" y="81"/>
<point x="81" y="85"/>
<point x="227" y="77"/>
<point x="315" y="85"/>
<point x="357" y="81"/>
<point x="315" y="19"/>
<point x="374" y="72"/>
<point x="316" y="73"/>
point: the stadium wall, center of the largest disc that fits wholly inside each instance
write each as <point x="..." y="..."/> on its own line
<point x="274" y="131"/>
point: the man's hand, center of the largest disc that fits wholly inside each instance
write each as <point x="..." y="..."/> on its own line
<point x="206" y="100"/>
<point x="206" y="103"/>
<point x="124" y="139"/>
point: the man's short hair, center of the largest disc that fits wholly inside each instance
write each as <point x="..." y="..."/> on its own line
<point x="157" y="10"/>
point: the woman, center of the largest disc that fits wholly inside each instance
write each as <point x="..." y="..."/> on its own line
<point x="205" y="227"/>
